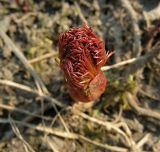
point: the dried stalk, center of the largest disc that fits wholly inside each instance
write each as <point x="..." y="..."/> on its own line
<point x="43" y="57"/>
<point x="80" y="13"/>
<point x="20" y="55"/>
<point x="132" y="100"/>
<point x="11" y="108"/>
<point x="30" y="90"/>
<point x="66" y="135"/>
<point x="136" y="31"/>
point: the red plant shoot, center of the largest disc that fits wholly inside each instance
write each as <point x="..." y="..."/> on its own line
<point x="82" y="54"/>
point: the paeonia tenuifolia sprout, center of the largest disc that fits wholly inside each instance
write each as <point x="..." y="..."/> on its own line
<point x="82" y="54"/>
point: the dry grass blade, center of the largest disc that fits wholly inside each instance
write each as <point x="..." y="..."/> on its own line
<point x="17" y="85"/>
<point x="136" y="31"/>
<point x="132" y="100"/>
<point x="80" y="13"/>
<point x="10" y="108"/>
<point x="24" y="17"/>
<point x="109" y="126"/>
<point x="138" y="61"/>
<point x="51" y="144"/>
<point x="153" y="14"/>
<point x="40" y="85"/>
<point x="106" y="68"/>
<point x="67" y="135"/>
<point x="30" y="90"/>
<point x="42" y="57"/>
<point x="61" y="119"/>
<point x="105" y="146"/>
<point x="43" y="129"/>
<point x="26" y="145"/>
<point x="144" y="140"/>
<point x="22" y="58"/>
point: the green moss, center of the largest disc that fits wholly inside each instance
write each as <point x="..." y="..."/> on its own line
<point x="115" y="89"/>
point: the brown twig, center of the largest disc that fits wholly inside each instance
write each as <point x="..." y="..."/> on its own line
<point x="132" y="100"/>
<point x="136" y="31"/>
<point x="138" y="61"/>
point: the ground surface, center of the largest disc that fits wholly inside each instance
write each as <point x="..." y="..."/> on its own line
<point x="125" y="118"/>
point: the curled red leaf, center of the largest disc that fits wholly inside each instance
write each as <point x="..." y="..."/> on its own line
<point x="82" y="54"/>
